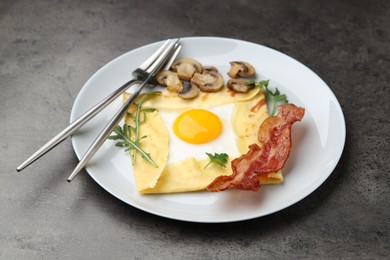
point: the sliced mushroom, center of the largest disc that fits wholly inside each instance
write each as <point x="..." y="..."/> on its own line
<point x="239" y="85"/>
<point x="189" y="91"/>
<point x="242" y="69"/>
<point x="169" y="79"/>
<point x="208" y="82"/>
<point x="186" y="68"/>
<point x="209" y="69"/>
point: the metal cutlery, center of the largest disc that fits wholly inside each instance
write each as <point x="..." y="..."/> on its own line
<point x="161" y="59"/>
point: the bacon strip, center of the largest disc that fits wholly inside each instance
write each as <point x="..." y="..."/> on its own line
<point x="275" y="139"/>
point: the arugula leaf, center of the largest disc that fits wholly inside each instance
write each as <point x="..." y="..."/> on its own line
<point x="218" y="158"/>
<point x="250" y="82"/>
<point x="264" y="83"/>
<point x="130" y="134"/>
<point x="125" y="135"/>
<point x="275" y="97"/>
<point x="260" y="84"/>
<point x="149" y="109"/>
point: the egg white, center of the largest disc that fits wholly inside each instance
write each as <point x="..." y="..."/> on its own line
<point x="224" y="143"/>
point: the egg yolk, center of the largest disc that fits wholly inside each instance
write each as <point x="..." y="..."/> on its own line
<point x="197" y="126"/>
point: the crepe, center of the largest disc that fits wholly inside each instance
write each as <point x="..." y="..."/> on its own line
<point x="156" y="144"/>
<point x="189" y="174"/>
<point x="169" y="100"/>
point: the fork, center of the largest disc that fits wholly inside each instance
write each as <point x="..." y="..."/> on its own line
<point x="162" y="58"/>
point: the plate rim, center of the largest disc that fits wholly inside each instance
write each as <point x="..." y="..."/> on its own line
<point x="225" y="220"/>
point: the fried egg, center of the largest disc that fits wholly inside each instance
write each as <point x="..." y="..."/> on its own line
<point x="194" y="132"/>
<point x="197" y="126"/>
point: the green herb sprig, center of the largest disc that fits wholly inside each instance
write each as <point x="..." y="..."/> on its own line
<point x="137" y="119"/>
<point x="218" y="158"/>
<point x="275" y="97"/>
<point x="126" y="133"/>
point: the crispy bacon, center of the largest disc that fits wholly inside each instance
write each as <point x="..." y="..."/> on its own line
<point x="275" y="144"/>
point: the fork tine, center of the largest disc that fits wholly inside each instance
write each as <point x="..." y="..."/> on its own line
<point x="158" y="61"/>
<point x="147" y="63"/>
<point x="170" y="61"/>
<point x="161" y="60"/>
<point x="164" y="57"/>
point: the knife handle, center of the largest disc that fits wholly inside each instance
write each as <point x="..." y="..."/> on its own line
<point x="76" y="124"/>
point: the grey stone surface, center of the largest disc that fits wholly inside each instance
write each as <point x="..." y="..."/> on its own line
<point x="49" y="49"/>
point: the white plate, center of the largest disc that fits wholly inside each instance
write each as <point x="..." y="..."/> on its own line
<point x="318" y="140"/>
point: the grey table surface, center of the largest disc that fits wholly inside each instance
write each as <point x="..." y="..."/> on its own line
<point x="49" y="49"/>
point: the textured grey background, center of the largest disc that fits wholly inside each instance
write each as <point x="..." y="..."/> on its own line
<point x="49" y="49"/>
